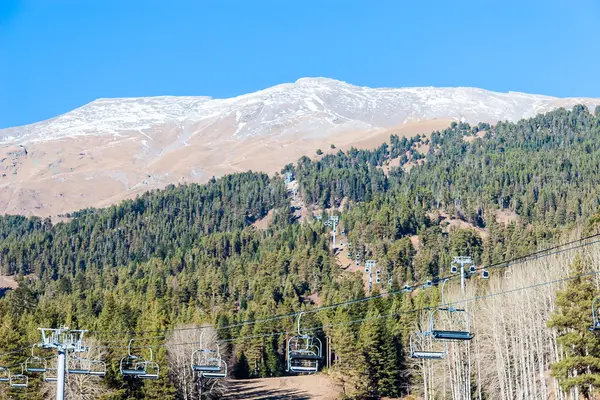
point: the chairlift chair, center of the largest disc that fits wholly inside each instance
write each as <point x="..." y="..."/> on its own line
<point x="19" y="381"/>
<point x="378" y="280"/>
<point x="98" y="368"/>
<point x="485" y="274"/>
<point x="472" y="269"/>
<point x="133" y="365"/>
<point x="4" y="374"/>
<point x="453" y="269"/>
<point x="35" y="364"/>
<point x="457" y="330"/>
<point x="422" y="347"/>
<point x="595" y="315"/>
<point x="303" y="352"/>
<point x="152" y="371"/>
<point x="78" y="366"/>
<point x="406" y="288"/>
<point x="209" y="364"/>
<point x="50" y="375"/>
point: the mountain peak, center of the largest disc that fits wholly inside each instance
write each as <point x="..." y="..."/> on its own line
<point x="312" y="106"/>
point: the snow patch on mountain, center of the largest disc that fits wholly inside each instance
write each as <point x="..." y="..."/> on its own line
<point x="312" y="107"/>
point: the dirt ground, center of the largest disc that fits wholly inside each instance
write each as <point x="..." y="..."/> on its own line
<point x="287" y="388"/>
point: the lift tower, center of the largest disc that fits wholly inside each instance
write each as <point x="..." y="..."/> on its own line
<point x="63" y="340"/>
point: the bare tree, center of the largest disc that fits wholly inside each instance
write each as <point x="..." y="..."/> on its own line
<point x="79" y="387"/>
<point x="513" y="348"/>
<point x="180" y="346"/>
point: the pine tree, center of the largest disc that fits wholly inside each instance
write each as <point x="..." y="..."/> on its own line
<point x="580" y="368"/>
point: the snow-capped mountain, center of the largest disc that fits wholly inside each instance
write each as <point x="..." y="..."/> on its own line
<point x="112" y="149"/>
<point x="311" y="107"/>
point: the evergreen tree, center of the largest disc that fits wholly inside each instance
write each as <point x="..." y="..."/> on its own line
<point x="580" y="367"/>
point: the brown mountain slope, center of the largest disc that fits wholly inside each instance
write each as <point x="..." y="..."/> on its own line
<point x="59" y="176"/>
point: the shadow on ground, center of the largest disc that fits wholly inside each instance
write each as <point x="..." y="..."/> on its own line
<point x="239" y="390"/>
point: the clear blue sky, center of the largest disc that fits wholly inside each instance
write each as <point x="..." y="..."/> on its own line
<point x="56" y="55"/>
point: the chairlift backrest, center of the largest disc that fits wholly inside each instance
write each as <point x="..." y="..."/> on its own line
<point x="456" y="328"/>
<point x="19" y="381"/>
<point x="423" y="346"/>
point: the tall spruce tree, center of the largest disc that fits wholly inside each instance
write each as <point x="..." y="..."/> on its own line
<point x="579" y="370"/>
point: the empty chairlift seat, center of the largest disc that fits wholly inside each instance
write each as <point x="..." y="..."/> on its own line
<point x="19" y="381"/>
<point x="208" y="363"/>
<point x="449" y="323"/>
<point x="207" y="360"/>
<point x="138" y="366"/>
<point x="132" y="365"/>
<point x="423" y="346"/>
<point x="304" y="352"/>
<point x="35" y="364"/>
<point x="152" y="371"/>
<point x="98" y="368"/>
<point x="78" y="366"/>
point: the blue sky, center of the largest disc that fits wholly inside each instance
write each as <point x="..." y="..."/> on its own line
<point x="56" y="55"/>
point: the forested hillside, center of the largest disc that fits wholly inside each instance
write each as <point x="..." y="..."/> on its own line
<point x="190" y="255"/>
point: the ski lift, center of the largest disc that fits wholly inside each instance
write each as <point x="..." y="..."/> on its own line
<point x="152" y="371"/>
<point x="595" y="315"/>
<point x="78" y="366"/>
<point x="19" y="381"/>
<point x="423" y="346"/>
<point x="35" y="364"/>
<point x="133" y="365"/>
<point x="98" y="368"/>
<point x="4" y="374"/>
<point x="51" y="372"/>
<point x="449" y="323"/>
<point x="208" y="362"/>
<point x="303" y="352"/>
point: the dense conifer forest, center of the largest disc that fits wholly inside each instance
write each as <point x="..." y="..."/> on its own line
<point x="190" y="254"/>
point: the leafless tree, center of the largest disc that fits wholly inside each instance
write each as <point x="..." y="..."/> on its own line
<point x="79" y="387"/>
<point x="180" y="346"/>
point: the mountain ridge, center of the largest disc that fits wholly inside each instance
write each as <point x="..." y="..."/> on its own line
<point x="111" y="149"/>
<point x="336" y="104"/>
